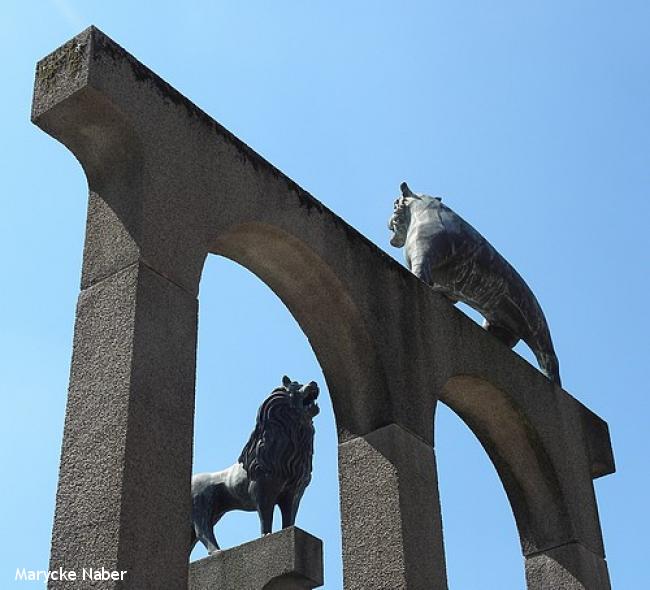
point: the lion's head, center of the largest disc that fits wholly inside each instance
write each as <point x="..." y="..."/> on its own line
<point x="283" y="440"/>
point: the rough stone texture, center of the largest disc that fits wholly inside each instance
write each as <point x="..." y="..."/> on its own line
<point x="570" y="567"/>
<point x="390" y="513"/>
<point x="127" y="447"/>
<point x="290" y="559"/>
<point x="168" y="185"/>
<point x="599" y="448"/>
<point x="542" y="459"/>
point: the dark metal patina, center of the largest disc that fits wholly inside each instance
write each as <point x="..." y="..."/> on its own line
<point x="448" y="254"/>
<point x="274" y="467"/>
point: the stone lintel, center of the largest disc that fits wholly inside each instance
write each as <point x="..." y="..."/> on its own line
<point x="290" y="559"/>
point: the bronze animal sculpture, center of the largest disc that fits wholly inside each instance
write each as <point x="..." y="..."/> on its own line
<point x="448" y="254"/>
<point x="274" y="468"/>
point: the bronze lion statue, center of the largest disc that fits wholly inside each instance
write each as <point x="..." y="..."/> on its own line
<point x="274" y="467"/>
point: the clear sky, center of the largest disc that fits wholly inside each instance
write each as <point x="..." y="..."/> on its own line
<point x="530" y="119"/>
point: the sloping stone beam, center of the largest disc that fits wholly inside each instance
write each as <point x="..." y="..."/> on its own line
<point x="167" y="186"/>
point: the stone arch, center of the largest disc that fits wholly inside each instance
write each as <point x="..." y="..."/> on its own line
<point x="559" y="533"/>
<point x="323" y="308"/>
<point x="525" y="469"/>
<point x="482" y="544"/>
<point x="247" y="339"/>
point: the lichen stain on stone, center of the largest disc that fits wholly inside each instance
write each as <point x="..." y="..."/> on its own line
<point x="304" y="198"/>
<point x="68" y="58"/>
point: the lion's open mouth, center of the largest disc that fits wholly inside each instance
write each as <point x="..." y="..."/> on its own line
<point x="309" y="400"/>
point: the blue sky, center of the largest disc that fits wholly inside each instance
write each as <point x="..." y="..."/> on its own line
<point x="530" y="119"/>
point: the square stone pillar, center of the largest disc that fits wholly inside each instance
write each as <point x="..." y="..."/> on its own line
<point x="390" y="511"/>
<point x="123" y="500"/>
<point x="569" y="567"/>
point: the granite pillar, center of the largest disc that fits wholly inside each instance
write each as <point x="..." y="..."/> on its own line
<point x="390" y="511"/>
<point x="124" y="480"/>
<point x="569" y="567"/>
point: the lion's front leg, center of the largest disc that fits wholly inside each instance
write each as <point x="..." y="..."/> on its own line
<point x="421" y="268"/>
<point x="265" y="512"/>
<point x="289" y="503"/>
<point x="264" y="493"/>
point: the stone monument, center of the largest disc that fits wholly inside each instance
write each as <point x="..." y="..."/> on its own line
<point x="167" y="186"/>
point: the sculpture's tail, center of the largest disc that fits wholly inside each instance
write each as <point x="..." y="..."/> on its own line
<point x="539" y="335"/>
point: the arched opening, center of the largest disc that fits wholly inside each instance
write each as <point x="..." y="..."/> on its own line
<point x="247" y="340"/>
<point x="329" y="316"/>
<point x="522" y="464"/>
<point x="480" y="535"/>
<point x="325" y="311"/>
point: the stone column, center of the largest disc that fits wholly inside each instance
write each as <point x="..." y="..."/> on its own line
<point x="569" y="567"/>
<point x="390" y="511"/>
<point x="290" y="559"/>
<point x="123" y="498"/>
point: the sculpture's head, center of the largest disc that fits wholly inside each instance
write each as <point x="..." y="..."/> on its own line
<point x="401" y="217"/>
<point x="303" y="397"/>
<point x="406" y="206"/>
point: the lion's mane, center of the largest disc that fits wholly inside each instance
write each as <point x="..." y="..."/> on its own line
<point x="282" y="442"/>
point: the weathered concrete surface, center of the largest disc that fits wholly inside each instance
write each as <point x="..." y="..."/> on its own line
<point x="546" y="473"/>
<point x="168" y="185"/>
<point x="127" y="446"/>
<point x="390" y="513"/>
<point x="570" y="567"/>
<point x="290" y="559"/>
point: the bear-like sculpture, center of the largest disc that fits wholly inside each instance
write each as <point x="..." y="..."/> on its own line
<point x="448" y="254"/>
<point x="273" y="468"/>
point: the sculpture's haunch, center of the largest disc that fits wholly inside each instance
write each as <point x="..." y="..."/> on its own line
<point x="447" y="253"/>
<point x="274" y="467"/>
